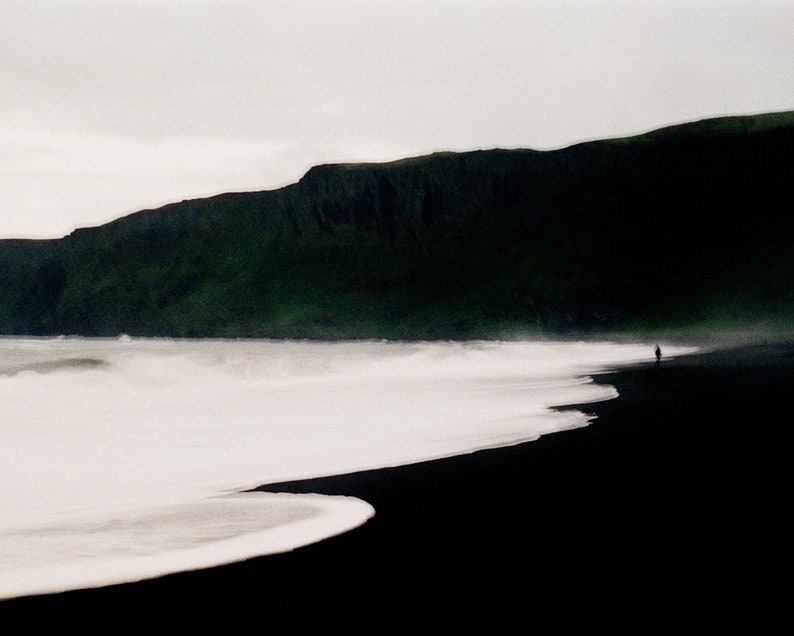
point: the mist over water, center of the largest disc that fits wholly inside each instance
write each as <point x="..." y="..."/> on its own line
<point x="125" y="458"/>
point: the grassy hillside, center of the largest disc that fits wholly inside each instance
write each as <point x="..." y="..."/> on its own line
<point x="684" y="227"/>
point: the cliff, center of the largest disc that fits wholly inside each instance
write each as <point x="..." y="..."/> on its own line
<point x="687" y="227"/>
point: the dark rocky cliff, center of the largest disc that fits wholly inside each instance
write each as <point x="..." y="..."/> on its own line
<point x="685" y="226"/>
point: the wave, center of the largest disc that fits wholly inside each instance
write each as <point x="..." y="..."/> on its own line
<point x="50" y="366"/>
<point x="114" y="452"/>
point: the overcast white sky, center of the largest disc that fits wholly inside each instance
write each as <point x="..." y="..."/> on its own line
<point x="109" y="107"/>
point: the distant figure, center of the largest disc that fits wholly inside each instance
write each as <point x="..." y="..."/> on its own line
<point x="658" y="353"/>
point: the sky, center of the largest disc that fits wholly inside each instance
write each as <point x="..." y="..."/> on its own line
<point x="108" y="107"/>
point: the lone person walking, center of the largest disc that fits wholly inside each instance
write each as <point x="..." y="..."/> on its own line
<point x="658" y="352"/>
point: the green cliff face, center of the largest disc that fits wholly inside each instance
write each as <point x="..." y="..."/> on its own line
<point x="683" y="227"/>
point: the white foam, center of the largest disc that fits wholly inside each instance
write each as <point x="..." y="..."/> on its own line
<point x="145" y="544"/>
<point x="97" y="460"/>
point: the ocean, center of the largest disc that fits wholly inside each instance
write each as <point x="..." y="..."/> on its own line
<point x="123" y="459"/>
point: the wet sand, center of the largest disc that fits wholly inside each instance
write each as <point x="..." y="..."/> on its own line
<point x="669" y="510"/>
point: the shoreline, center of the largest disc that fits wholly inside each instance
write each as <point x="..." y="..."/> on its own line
<point x="668" y="504"/>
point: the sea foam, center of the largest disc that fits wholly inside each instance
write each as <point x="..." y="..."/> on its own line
<point x="123" y="459"/>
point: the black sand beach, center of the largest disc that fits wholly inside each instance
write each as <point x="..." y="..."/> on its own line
<point x="668" y="511"/>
